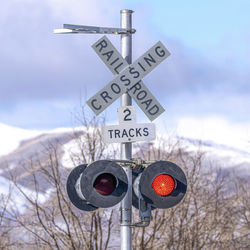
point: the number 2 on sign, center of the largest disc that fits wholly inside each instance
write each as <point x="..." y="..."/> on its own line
<point x="127" y="114"/>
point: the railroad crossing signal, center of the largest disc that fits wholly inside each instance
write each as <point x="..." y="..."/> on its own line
<point x="104" y="183"/>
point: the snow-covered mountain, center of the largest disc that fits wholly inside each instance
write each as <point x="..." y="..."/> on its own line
<point x="227" y="146"/>
<point x="17" y="148"/>
<point x="227" y="143"/>
<point x="12" y="137"/>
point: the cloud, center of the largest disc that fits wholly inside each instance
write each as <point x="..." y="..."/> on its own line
<point x="40" y="68"/>
<point x="37" y="64"/>
<point x="216" y="129"/>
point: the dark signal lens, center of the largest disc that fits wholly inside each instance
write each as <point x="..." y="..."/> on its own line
<point x="105" y="184"/>
<point x="163" y="184"/>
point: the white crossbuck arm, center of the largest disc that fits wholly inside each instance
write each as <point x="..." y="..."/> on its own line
<point x="128" y="78"/>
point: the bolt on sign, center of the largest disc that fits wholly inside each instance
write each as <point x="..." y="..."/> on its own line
<point x="128" y="78"/>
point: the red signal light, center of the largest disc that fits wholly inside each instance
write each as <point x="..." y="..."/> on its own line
<point x="105" y="184"/>
<point x="163" y="184"/>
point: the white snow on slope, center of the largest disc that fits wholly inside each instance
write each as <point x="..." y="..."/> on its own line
<point x="217" y="130"/>
<point x="11" y="137"/>
<point x="17" y="201"/>
<point x="228" y="142"/>
<point x="219" y="137"/>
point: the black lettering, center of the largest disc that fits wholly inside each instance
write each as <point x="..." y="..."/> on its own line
<point x="147" y="102"/>
<point x="137" y="131"/>
<point x="148" y="60"/>
<point x="93" y="105"/>
<point x="141" y="95"/>
<point x="110" y="133"/>
<point x="160" y="53"/>
<point x="125" y="80"/>
<point x="136" y="87"/>
<point x="115" y="88"/>
<point x="153" y="110"/>
<point x="105" y="95"/>
<point x="102" y="44"/>
<point x="145" y="132"/>
<point x="141" y="66"/>
<point x="124" y="133"/>
<point x="119" y="65"/>
<point x="126" y="117"/>
<point x="114" y="61"/>
<point x="117" y="133"/>
<point x="132" y="71"/>
<point x="108" y="54"/>
<point x="129" y="132"/>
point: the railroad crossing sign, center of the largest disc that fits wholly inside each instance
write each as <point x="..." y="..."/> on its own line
<point x="127" y="82"/>
<point x="128" y="130"/>
<point x="128" y="78"/>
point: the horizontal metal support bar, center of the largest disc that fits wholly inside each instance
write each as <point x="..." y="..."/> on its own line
<point x="71" y="28"/>
<point x="64" y="31"/>
<point x="133" y="163"/>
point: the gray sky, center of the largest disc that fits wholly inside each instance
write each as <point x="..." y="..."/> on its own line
<point x="45" y="77"/>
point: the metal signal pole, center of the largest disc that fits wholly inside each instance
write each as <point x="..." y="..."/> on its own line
<point x="126" y="148"/>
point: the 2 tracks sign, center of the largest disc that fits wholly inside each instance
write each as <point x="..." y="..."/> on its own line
<point x="128" y="130"/>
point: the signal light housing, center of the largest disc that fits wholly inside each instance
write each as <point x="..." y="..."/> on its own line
<point x="162" y="184"/>
<point x="89" y="182"/>
<point x="104" y="184"/>
<point x="100" y="184"/>
<point x="73" y="188"/>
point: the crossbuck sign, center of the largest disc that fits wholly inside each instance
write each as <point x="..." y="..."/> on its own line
<point x="128" y="78"/>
